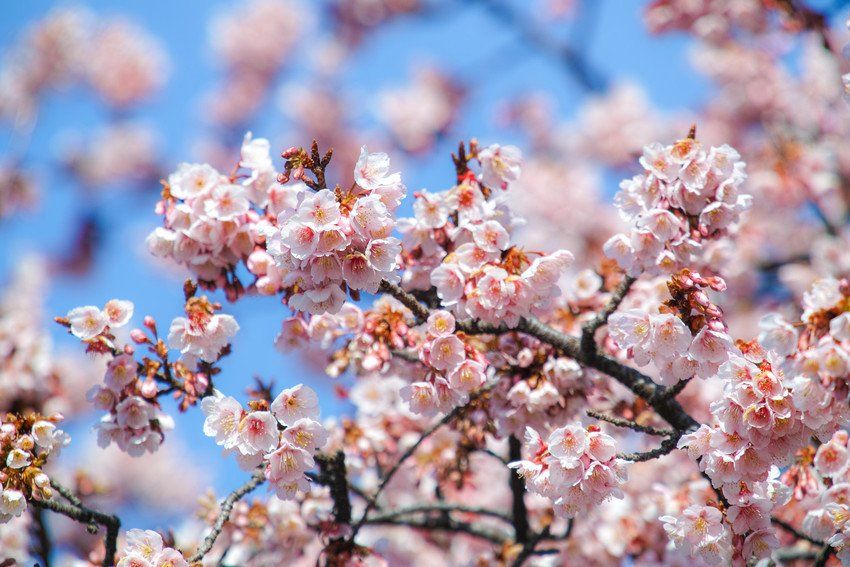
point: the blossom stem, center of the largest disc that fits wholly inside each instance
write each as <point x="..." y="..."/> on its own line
<point x="226" y="509"/>
<point x="372" y="502"/>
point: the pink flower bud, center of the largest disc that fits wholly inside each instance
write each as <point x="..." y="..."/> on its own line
<point x="139" y="337"/>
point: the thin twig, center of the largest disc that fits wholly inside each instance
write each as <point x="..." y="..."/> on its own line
<point x="373" y="501"/>
<point x="442" y="524"/>
<point x="225" y="510"/>
<point x="445" y="507"/>
<point x="601" y="318"/>
<point x="667" y="446"/>
<point x="528" y="549"/>
<point x="620" y="422"/>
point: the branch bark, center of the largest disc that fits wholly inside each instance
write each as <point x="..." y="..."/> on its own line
<point x="77" y="511"/>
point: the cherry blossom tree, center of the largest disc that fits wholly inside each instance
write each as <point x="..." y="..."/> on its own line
<point x="536" y="373"/>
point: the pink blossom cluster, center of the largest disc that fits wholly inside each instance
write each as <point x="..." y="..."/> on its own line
<point x="134" y="420"/>
<point x="818" y="354"/>
<point x="456" y="369"/>
<point x="283" y="438"/>
<point x="690" y="339"/>
<point x="459" y="242"/>
<point x="145" y="548"/>
<point x="758" y="424"/>
<point x="326" y="242"/>
<point x="209" y="225"/>
<point x="25" y="446"/>
<point x="575" y="467"/>
<point x="203" y="334"/>
<point x="723" y="535"/>
<point x="535" y="387"/>
<point x="685" y="198"/>
<point x="828" y="518"/>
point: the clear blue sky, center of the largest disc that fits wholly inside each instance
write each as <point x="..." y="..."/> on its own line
<point x="618" y="46"/>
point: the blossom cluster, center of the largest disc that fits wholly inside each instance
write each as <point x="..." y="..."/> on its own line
<point x="327" y="242"/>
<point x="689" y="338"/>
<point x="145" y="548"/>
<point x="575" y="467"/>
<point x="817" y="354"/>
<point x="283" y="436"/>
<point x="209" y="225"/>
<point x="459" y="242"/>
<point x="685" y="198"/>
<point x="456" y="368"/>
<point x="26" y="444"/>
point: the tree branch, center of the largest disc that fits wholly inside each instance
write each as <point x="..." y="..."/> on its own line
<point x="85" y="515"/>
<point x="519" y="513"/>
<point x="620" y="422"/>
<point x="226" y="509"/>
<point x="333" y="474"/>
<point x="442" y="523"/>
<point x="601" y="318"/>
<point x="667" y="446"/>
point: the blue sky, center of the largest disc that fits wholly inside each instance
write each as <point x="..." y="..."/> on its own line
<point x="618" y="46"/>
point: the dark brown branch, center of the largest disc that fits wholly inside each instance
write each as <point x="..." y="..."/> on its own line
<point x="85" y="515"/>
<point x="529" y="547"/>
<point x="419" y="311"/>
<point x="442" y="524"/>
<point x="445" y="507"/>
<point x="601" y="318"/>
<point x="519" y="512"/>
<point x="824" y="555"/>
<point x="333" y="474"/>
<point x="620" y="422"/>
<point x="667" y="446"/>
<point x="582" y="351"/>
<point x="794" y="531"/>
<point x="225" y="510"/>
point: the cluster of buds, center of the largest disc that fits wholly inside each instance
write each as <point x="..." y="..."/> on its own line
<point x="576" y="467"/>
<point x="685" y="197"/>
<point x="283" y="436"/>
<point x="456" y="368"/>
<point x="26" y="443"/>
